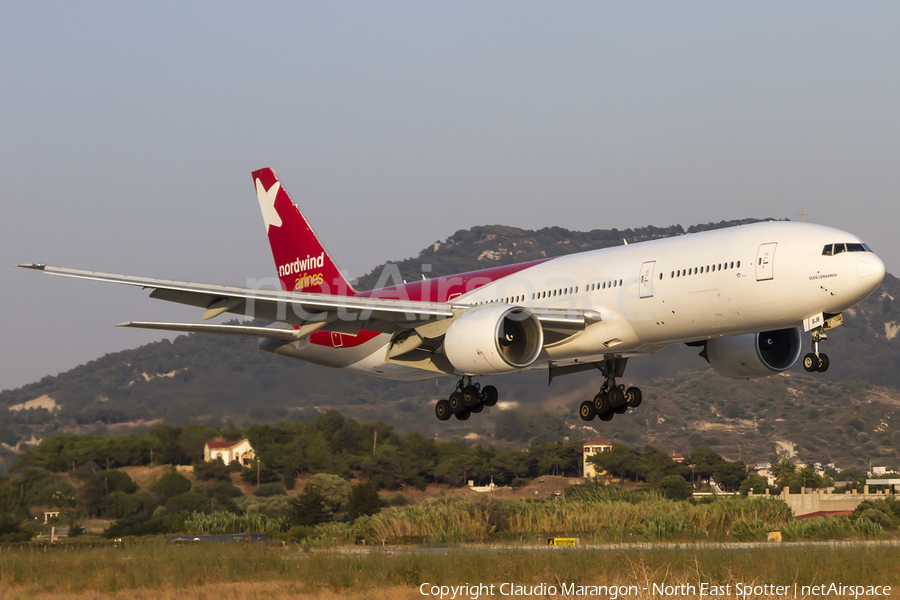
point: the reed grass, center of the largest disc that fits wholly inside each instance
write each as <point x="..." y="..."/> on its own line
<point x="454" y="520"/>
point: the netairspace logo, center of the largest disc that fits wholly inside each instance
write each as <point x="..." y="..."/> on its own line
<point x="613" y="592"/>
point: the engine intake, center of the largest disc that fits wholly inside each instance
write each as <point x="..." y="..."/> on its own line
<point x="493" y="339"/>
<point x="754" y="354"/>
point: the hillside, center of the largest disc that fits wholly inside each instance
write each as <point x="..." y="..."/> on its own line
<point x="211" y="380"/>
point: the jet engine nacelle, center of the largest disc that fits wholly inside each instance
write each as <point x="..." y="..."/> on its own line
<point x="754" y="354"/>
<point x="499" y="338"/>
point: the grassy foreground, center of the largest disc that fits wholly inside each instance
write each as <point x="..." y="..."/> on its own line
<point x="259" y="571"/>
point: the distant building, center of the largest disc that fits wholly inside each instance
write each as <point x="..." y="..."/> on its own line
<point x="592" y="447"/>
<point x="229" y="452"/>
<point x="676" y="456"/>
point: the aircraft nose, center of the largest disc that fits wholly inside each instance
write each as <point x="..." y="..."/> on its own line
<point x="870" y="269"/>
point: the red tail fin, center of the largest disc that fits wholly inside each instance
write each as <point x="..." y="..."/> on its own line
<point x="303" y="263"/>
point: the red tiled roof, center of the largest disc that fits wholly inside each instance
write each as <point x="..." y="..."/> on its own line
<point x="222" y="445"/>
<point x="597" y="441"/>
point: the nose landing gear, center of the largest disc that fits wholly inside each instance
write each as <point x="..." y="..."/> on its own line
<point x="815" y="360"/>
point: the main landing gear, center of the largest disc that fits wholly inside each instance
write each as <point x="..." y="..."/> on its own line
<point x="815" y="360"/>
<point x="612" y="399"/>
<point x="467" y="399"/>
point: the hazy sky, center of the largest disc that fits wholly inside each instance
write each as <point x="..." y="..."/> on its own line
<point x="129" y="131"/>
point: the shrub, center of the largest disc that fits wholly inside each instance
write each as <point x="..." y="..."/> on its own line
<point x="398" y="499"/>
<point x="140" y="524"/>
<point x="876" y="516"/>
<point x="268" y="490"/>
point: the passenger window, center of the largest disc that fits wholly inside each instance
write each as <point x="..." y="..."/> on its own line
<point x="739" y="264"/>
<point x="827" y="250"/>
<point x="660" y="275"/>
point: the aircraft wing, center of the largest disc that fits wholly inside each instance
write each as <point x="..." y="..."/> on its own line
<point x="347" y="314"/>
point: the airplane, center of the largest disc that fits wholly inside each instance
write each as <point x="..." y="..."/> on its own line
<point x="741" y="294"/>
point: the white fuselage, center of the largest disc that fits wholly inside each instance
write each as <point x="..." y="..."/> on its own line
<point x="649" y="295"/>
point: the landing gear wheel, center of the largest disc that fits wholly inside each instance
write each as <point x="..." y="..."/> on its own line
<point x="586" y="411"/>
<point x="457" y="403"/>
<point x="464" y="415"/>
<point x="823" y="363"/>
<point x="490" y="395"/>
<point x="607" y="416"/>
<point x="633" y="397"/>
<point x="620" y="410"/>
<point x="601" y="402"/>
<point x="811" y="362"/>
<point x="477" y="408"/>
<point x="442" y="410"/>
<point x="616" y="397"/>
<point x="471" y="395"/>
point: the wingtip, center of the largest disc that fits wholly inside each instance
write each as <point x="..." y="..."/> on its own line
<point x="36" y="266"/>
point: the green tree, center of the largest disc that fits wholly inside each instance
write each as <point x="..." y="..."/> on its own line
<point x="98" y="486"/>
<point x="171" y="483"/>
<point x="755" y="483"/>
<point x="334" y="490"/>
<point x="308" y="508"/>
<point x="364" y="500"/>
<point x="190" y="502"/>
<point x="674" y="487"/>
<point x="211" y="470"/>
<point x="13" y="514"/>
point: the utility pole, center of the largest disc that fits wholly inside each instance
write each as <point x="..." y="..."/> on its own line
<point x="257" y="471"/>
<point x="374" y="441"/>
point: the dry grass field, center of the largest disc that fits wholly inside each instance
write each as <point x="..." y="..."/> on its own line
<point x="233" y="571"/>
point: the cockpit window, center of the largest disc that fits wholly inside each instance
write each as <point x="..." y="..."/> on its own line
<point x="832" y="249"/>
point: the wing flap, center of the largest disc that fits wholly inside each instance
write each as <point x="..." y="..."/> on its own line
<point x="272" y="333"/>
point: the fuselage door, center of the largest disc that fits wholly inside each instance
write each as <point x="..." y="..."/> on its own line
<point x="765" y="261"/>
<point x="646" y="280"/>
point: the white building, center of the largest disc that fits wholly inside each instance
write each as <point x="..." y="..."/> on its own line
<point x="592" y="447"/>
<point x="239" y="451"/>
